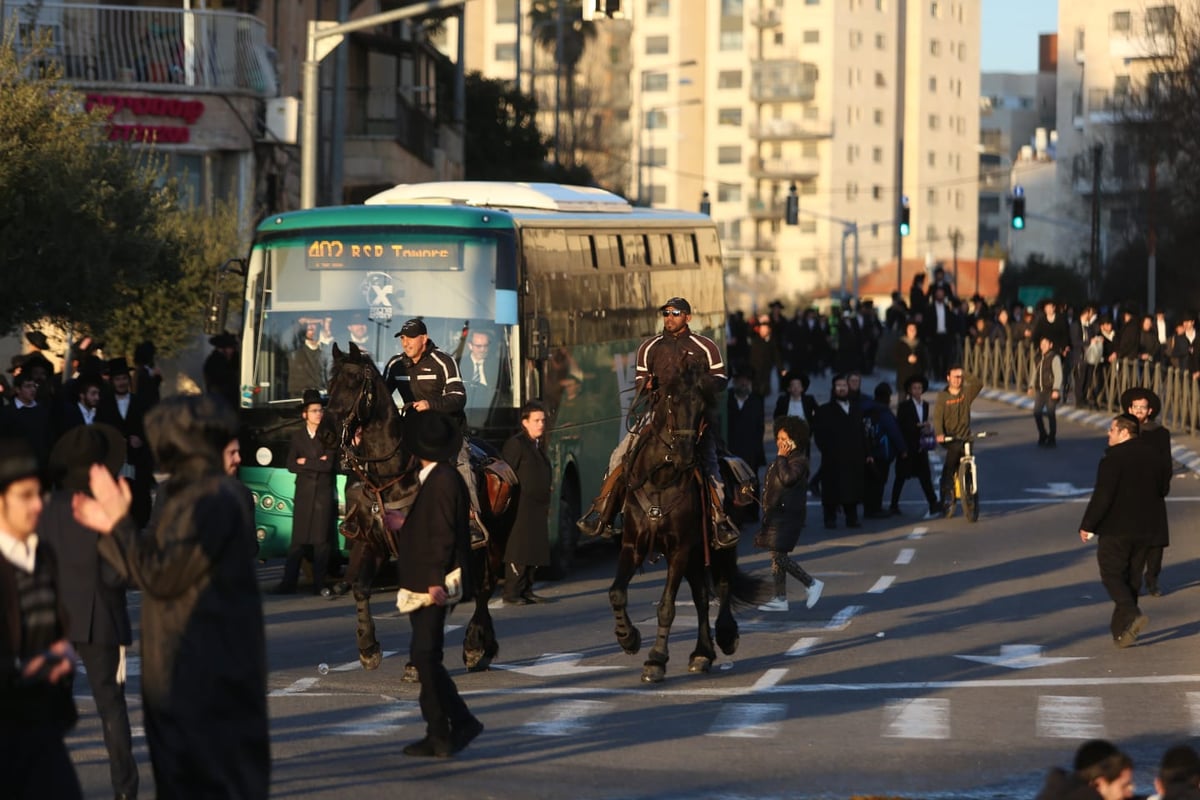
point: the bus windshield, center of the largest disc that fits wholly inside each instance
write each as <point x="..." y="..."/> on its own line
<point x="310" y="289"/>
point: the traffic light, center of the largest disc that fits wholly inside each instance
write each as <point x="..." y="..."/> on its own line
<point x="1018" y="209"/>
<point x="904" y="226"/>
<point x="705" y="204"/>
<point x="791" y="209"/>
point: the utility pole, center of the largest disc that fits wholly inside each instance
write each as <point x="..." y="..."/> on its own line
<point x="956" y="237"/>
<point x="560" y="34"/>
<point x="1151" y="239"/>
<point x="1094" y="259"/>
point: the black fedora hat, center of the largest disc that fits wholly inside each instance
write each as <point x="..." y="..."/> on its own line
<point x="914" y="378"/>
<point x="224" y="339"/>
<point x="37" y="339"/>
<point x="17" y="461"/>
<point x="117" y="366"/>
<point x="311" y="397"/>
<point x="78" y="448"/>
<point x="431" y="435"/>
<point x="1141" y="393"/>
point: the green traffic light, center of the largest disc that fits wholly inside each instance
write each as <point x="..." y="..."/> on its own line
<point x="904" y="229"/>
<point x="1018" y="223"/>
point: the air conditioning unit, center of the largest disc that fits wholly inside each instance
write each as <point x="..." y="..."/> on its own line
<point x="282" y="120"/>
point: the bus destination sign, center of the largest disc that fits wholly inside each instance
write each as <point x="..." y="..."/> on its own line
<point x="341" y="254"/>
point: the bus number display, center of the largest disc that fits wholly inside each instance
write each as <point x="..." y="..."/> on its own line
<point x="342" y="254"/>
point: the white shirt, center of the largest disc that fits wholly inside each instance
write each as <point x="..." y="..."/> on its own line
<point x="796" y="408"/>
<point x="425" y="470"/>
<point x="123" y="405"/>
<point x="845" y="405"/>
<point x="89" y="414"/>
<point x="940" y="310"/>
<point x="21" y="554"/>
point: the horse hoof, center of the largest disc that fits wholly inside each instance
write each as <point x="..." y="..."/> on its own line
<point x="699" y="664"/>
<point x="631" y="643"/>
<point x="477" y="662"/>
<point x="370" y="658"/>
<point x="653" y="673"/>
<point x="410" y="674"/>
<point x="730" y="647"/>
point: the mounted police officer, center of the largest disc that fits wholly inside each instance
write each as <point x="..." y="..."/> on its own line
<point x="659" y="359"/>
<point x="428" y="378"/>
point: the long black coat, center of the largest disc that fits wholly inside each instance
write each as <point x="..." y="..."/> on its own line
<point x="840" y="438"/>
<point x="900" y="353"/>
<point x="745" y="429"/>
<point x="1158" y="438"/>
<point x="132" y="427"/>
<point x="204" y="655"/>
<point x="314" y="505"/>
<point x="785" y="503"/>
<point x="435" y="537"/>
<point x="1127" y="498"/>
<point x="529" y="542"/>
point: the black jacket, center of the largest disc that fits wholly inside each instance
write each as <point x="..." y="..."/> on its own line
<point x="435" y="537"/>
<point x="529" y="541"/>
<point x="1127" y="498"/>
<point x="785" y="503"/>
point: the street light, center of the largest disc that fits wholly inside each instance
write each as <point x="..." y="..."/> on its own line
<point x="641" y="122"/>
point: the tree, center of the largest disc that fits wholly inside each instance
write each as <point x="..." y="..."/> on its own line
<point x="1064" y="281"/>
<point x="544" y="16"/>
<point x="92" y="234"/>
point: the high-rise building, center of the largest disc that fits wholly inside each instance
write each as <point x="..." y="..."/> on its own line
<point x="854" y="103"/>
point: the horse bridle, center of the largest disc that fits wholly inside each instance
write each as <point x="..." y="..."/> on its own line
<point x="367" y="396"/>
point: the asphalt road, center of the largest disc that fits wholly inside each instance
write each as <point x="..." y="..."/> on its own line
<point x="945" y="659"/>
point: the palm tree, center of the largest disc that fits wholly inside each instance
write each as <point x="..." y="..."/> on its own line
<point x="544" y="18"/>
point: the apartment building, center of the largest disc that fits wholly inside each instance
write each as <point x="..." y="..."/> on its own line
<point x="855" y="103"/>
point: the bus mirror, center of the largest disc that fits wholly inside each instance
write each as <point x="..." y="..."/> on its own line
<point x="539" y="339"/>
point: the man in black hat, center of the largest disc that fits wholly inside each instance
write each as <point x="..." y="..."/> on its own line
<point x="1145" y="405"/>
<point x="92" y="591"/>
<point x="124" y="410"/>
<point x="660" y="359"/>
<point x="27" y="418"/>
<point x="314" y="505"/>
<point x="434" y="540"/>
<point x="1122" y="513"/>
<point x="221" y="369"/>
<point x="916" y="426"/>
<point x="36" y="659"/>
<point x="428" y="380"/>
<point x="87" y="389"/>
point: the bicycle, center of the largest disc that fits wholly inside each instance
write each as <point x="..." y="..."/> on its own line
<point x="966" y="478"/>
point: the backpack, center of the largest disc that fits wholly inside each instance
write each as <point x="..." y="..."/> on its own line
<point x="878" y="446"/>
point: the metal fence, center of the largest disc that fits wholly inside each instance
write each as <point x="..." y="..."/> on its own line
<point x="147" y="48"/>
<point x="1006" y="365"/>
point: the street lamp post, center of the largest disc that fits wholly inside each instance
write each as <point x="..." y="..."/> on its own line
<point x="323" y="36"/>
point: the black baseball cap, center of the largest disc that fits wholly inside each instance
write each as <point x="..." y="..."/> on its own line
<point x="679" y="303"/>
<point x="414" y="327"/>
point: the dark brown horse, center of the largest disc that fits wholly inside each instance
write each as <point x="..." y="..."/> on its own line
<point x="364" y="424"/>
<point x="665" y="511"/>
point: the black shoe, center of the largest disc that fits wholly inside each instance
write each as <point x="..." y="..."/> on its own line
<point x="1042" y="440"/>
<point x="1154" y="590"/>
<point x="830" y="524"/>
<point x="339" y="589"/>
<point x="532" y="597"/>
<point x="880" y="514"/>
<point x="591" y="525"/>
<point x="894" y="511"/>
<point x="853" y="523"/>
<point x="1050" y="443"/>
<point x="429" y="747"/>
<point x="465" y="733"/>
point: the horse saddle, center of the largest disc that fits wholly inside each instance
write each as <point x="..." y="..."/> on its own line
<point x="741" y="478"/>
<point x="498" y="477"/>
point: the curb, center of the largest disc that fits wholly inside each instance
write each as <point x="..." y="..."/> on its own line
<point x="1184" y="455"/>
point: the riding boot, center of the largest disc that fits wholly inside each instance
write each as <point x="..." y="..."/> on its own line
<point x="725" y="533"/>
<point x="479" y="533"/>
<point x="598" y="519"/>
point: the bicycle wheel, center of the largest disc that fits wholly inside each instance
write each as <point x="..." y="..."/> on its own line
<point x="970" y="491"/>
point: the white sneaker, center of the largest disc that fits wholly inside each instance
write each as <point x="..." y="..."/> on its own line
<point x="775" y="604"/>
<point x="932" y="515"/>
<point x="814" y="592"/>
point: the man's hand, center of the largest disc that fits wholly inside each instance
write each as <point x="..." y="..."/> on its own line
<point x="1054" y="395"/>
<point x="438" y="595"/>
<point x="108" y="503"/>
<point x="1085" y="536"/>
<point x="1030" y="392"/>
<point x="51" y="666"/>
<point x="420" y="405"/>
<point x="301" y="460"/>
<point x="941" y="438"/>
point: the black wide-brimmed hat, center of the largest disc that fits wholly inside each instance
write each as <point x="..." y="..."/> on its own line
<point x="1141" y="393"/>
<point x="79" y="447"/>
<point x="225" y="339"/>
<point x="17" y="460"/>
<point x="118" y="366"/>
<point x="311" y="397"/>
<point x="431" y="435"/>
<point x="914" y="378"/>
<point x="37" y="339"/>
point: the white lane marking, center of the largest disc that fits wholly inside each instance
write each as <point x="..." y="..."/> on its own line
<point x="841" y="620"/>
<point x="769" y="680"/>
<point x="918" y="533"/>
<point x="566" y="718"/>
<point x="380" y="723"/>
<point x="921" y="718"/>
<point x="553" y="665"/>
<point x="1193" y="703"/>
<point x="906" y="556"/>
<point x="882" y="584"/>
<point x="802" y="646"/>
<point x="1068" y="717"/>
<point x="748" y="720"/>
<point x="302" y="685"/>
<point x="1022" y="656"/>
<point x="353" y="665"/>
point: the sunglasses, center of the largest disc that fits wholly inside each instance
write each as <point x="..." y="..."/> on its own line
<point x="672" y="312"/>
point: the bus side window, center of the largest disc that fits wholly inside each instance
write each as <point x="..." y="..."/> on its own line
<point x="533" y="383"/>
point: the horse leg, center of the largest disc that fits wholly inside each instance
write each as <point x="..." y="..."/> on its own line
<point x="479" y="642"/>
<point x="724" y="567"/>
<point x="369" y="654"/>
<point x="655" y="668"/>
<point x="627" y="633"/>
<point x="703" y="656"/>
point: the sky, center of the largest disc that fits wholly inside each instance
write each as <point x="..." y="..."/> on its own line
<point x="1009" y="33"/>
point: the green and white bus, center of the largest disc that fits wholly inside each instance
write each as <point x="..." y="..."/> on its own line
<point x="561" y="283"/>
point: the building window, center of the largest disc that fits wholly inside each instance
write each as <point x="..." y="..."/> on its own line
<point x="989" y="204"/>
<point x="851" y="150"/>
<point x="851" y="191"/>
<point x="931" y="197"/>
<point x="808" y="150"/>
<point x="935" y="47"/>
<point x="730" y="40"/>
<point x="655" y="82"/>
<point x="931" y="158"/>
<point x="729" y="154"/>
<point x="881" y="5"/>
<point x="778" y="37"/>
<point x="658" y="45"/>
<point x="932" y="83"/>
<point x="731" y="8"/>
<point x="880" y="80"/>
<point x="656" y="157"/>
<point x="1122" y="21"/>
<point x="655" y="118"/>
<point x="880" y="41"/>
<point x="731" y="117"/>
<point x="933" y="10"/>
<point x="658" y="195"/>
<point x="506" y="51"/>
<point x="877" y="155"/>
<point x="506" y="12"/>
<point x="729" y="79"/>
<point x="878" y="116"/>
<point x="812" y="37"/>
<point x="931" y="234"/>
<point x="1160" y="21"/>
<point x="808" y="264"/>
<point x="808" y="187"/>
<point x="934" y="122"/>
<point x="856" y="38"/>
<point x="658" y="8"/>
<point x="808" y="225"/>
<point x="729" y="193"/>
<point x="876" y="192"/>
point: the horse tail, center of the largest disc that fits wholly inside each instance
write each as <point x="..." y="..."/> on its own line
<point x="745" y="589"/>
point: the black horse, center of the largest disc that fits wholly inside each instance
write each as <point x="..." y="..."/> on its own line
<point x="666" y="511"/>
<point x="364" y="424"/>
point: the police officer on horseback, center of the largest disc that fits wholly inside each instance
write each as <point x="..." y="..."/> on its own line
<point x="428" y="378"/>
<point x="660" y="359"/>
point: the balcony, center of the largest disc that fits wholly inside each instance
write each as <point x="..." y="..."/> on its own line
<point x="784" y="169"/>
<point x="1145" y="34"/>
<point x="766" y="18"/>
<point x="783" y="81"/>
<point x="763" y="208"/>
<point x="781" y="130"/>
<point x="148" y="49"/>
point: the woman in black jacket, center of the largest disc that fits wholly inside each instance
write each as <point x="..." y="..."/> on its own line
<point x="785" y="511"/>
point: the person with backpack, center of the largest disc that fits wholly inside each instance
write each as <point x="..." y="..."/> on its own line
<point x="885" y="444"/>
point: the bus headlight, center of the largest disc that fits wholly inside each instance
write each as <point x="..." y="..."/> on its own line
<point x="263" y="456"/>
<point x="268" y="502"/>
